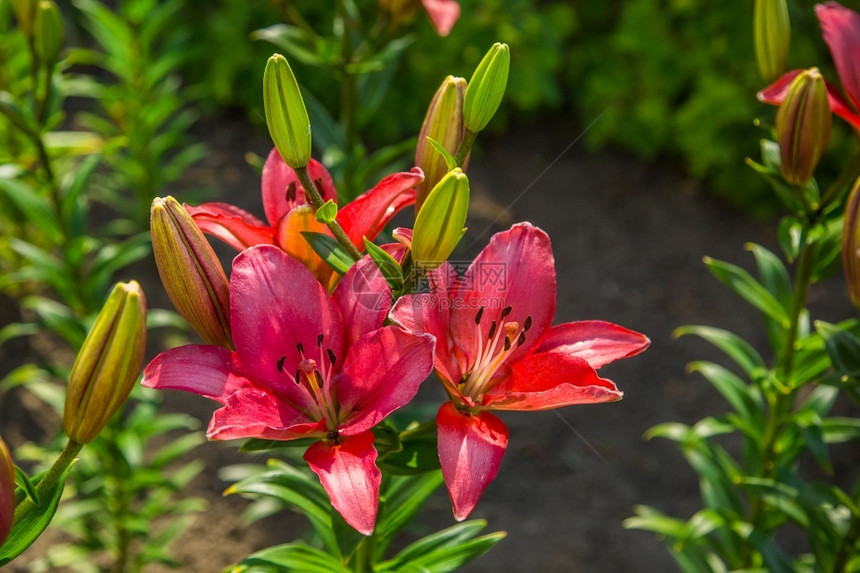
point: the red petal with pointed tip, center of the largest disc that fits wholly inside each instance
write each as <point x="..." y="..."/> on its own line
<point x="471" y="447"/>
<point x="368" y="214"/>
<point x="349" y="475"/>
<point x="382" y="372"/>
<point x="278" y="176"/>
<point x="595" y="341"/>
<point x="776" y="92"/>
<point x="277" y="304"/>
<point x="841" y="30"/>
<point x="210" y="371"/>
<point x="288" y="235"/>
<point x="443" y="14"/>
<point x="547" y="381"/>
<point x="233" y="225"/>
<point x="255" y="413"/>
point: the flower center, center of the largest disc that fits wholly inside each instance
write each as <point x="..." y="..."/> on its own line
<point x="492" y="351"/>
<point x="315" y="381"/>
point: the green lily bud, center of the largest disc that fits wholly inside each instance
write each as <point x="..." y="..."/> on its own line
<point x="108" y="363"/>
<point x="439" y="224"/>
<point x="851" y="244"/>
<point x="286" y="115"/>
<point x="7" y="491"/>
<point x="444" y="125"/>
<point x="48" y="32"/>
<point x="772" y="35"/>
<point x="190" y="271"/>
<point x="25" y="13"/>
<point x="803" y="126"/>
<point x="486" y="88"/>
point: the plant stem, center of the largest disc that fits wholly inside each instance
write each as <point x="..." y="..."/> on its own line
<point x="67" y="456"/>
<point x="465" y="147"/>
<point x="317" y="202"/>
<point x="363" y="560"/>
<point x="347" y="99"/>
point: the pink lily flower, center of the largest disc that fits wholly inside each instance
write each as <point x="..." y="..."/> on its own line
<point x="443" y="14"/>
<point x="841" y="30"/>
<point x="306" y="364"/>
<point x="496" y="350"/>
<point x="288" y="213"/>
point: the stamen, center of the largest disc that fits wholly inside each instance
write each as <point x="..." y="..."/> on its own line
<point x="320" y="339"/>
<point x="492" y="332"/>
<point x="506" y="311"/>
<point x="521" y="338"/>
<point x="300" y="348"/>
<point x="319" y="377"/>
<point x="331" y="355"/>
<point x="507" y="344"/>
<point x="479" y="315"/>
<point x="280" y="364"/>
<point x="291" y="192"/>
<point x="527" y="324"/>
<point x="298" y="380"/>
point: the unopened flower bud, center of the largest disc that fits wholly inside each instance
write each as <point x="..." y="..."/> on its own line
<point x="191" y="272"/>
<point x="108" y="363"/>
<point x="772" y="35"/>
<point x="803" y="126"/>
<point x="25" y="13"/>
<point x="486" y="88"/>
<point x="851" y="244"/>
<point x="439" y="225"/>
<point x="7" y="492"/>
<point x="286" y="115"/>
<point x="444" y="125"/>
<point x="48" y="32"/>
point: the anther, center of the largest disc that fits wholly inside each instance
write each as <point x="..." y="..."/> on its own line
<point x="291" y="192"/>
<point x="506" y="311"/>
<point x="320" y="340"/>
<point x="521" y="338"/>
<point x="507" y="344"/>
<point x="479" y="315"/>
<point x="300" y="348"/>
<point x="331" y="356"/>
<point x="298" y="379"/>
<point x="319" y="377"/>
<point x="492" y="332"/>
<point x="527" y="324"/>
<point x="280" y="364"/>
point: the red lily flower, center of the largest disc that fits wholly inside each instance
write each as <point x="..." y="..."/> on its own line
<point x="306" y="364"/>
<point x="841" y="30"/>
<point x="288" y="213"/>
<point x="443" y="14"/>
<point x="496" y="350"/>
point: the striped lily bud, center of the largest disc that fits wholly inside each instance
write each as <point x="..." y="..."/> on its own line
<point x="803" y="126"/>
<point x="486" y="88"/>
<point x="772" y="36"/>
<point x="286" y="115"/>
<point x="439" y="225"/>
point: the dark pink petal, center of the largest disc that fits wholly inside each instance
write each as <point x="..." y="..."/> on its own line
<point x="277" y="179"/>
<point x="364" y="296"/>
<point x="471" y="447"/>
<point x="841" y="30"/>
<point x="550" y="380"/>
<point x="255" y="413"/>
<point x="443" y="14"/>
<point x="776" y="92"/>
<point x="430" y="313"/>
<point x="276" y="305"/>
<point x="595" y="341"/>
<point x="229" y="223"/>
<point x="515" y="269"/>
<point x="348" y="473"/>
<point x="210" y="371"/>
<point x="382" y="372"/>
<point x="368" y="214"/>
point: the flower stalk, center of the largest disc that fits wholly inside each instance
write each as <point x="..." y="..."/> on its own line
<point x="317" y="202"/>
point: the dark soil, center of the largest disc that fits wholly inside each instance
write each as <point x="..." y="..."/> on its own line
<point x="628" y="241"/>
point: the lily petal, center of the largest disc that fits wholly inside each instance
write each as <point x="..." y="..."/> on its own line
<point x="255" y="413"/>
<point x="364" y="296"/>
<point x="515" y="269"/>
<point x="348" y="473"/>
<point x="278" y="178"/>
<point x="210" y="371"/>
<point x="595" y="341"/>
<point x="550" y="380"/>
<point x="368" y="213"/>
<point x="288" y="235"/>
<point x="443" y="14"/>
<point x="776" y="92"/>
<point x="277" y="305"/>
<point x="229" y="223"/>
<point x="841" y="30"/>
<point x="471" y="447"/>
<point x="382" y="372"/>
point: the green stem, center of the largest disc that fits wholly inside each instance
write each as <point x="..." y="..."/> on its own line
<point x="47" y="483"/>
<point x="363" y="560"/>
<point x="44" y="101"/>
<point x="317" y="202"/>
<point x="465" y="147"/>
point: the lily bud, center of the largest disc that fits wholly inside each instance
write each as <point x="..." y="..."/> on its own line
<point x="444" y="125"/>
<point x="48" y="33"/>
<point x="25" y="13"/>
<point x="772" y="35"/>
<point x="7" y="491"/>
<point x="108" y="363"/>
<point x="486" y="88"/>
<point x="286" y="115"/>
<point x="439" y="224"/>
<point x="803" y="126"/>
<point x="851" y="244"/>
<point x="191" y="272"/>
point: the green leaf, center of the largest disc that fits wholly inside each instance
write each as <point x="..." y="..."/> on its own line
<point x="789" y="235"/>
<point x="650" y="519"/>
<point x="772" y="273"/>
<point x="34" y="208"/>
<point x="838" y="430"/>
<point x="415" y="456"/>
<point x="293" y="41"/>
<point x="449" y="159"/>
<point x="327" y="213"/>
<point x="810" y="425"/>
<point x="23" y="480"/>
<point x="733" y="345"/>
<point x="260" y="445"/>
<point x="741" y="396"/>
<point x="386" y="264"/>
<point x="347" y="537"/>
<point x="400" y="500"/>
<point x="826" y="239"/>
<point x="329" y="250"/>
<point x="842" y="346"/>
<point x="745" y="286"/>
<point x="31" y="520"/>
<point x="289" y="557"/>
<point x="444" y="550"/>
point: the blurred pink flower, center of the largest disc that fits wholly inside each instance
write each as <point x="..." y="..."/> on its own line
<point x="496" y="350"/>
<point x="306" y="364"/>
<point x="841" y="30"/>
<point x="443" y="14"/>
